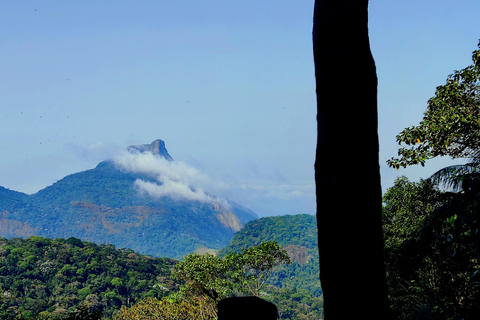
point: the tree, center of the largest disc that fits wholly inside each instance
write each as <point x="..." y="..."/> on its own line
<point x="437" y="264"/>
<point x="405" y="207"/>
<point x="205" y="274"/>
<point x="56" y="278"/>
<point x="349" y="231"/>
<point x="451" y="124"/>
<point x="246" y="271"/>
<point x="83" y="312"/>
<point x="207" y="279"/>
<point x="196" y="308"/>
<point x="253" y="266"/>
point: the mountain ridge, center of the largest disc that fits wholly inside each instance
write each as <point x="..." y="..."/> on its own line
<point x="103" y="205"/>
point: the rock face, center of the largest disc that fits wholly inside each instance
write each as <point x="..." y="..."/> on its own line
<point x="157" y="147"/>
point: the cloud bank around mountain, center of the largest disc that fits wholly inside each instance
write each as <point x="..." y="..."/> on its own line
<point x="179" y="180"/>
<point x="176" y="180"/>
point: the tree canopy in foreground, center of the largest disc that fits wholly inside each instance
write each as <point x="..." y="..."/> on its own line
<point x="432" y="251"/>
<point x="207" y="279"/>
<point x="432" y="236"/>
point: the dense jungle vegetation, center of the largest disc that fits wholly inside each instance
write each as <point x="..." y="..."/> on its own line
<point x="432" y="227"/>
<point x="71" y="279"/>
<point x="44" y="277"/>
<point x="57" y="279"/>
<point x="432" y="251"/>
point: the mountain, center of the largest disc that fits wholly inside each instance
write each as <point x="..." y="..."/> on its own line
<point x="104" y="205"/>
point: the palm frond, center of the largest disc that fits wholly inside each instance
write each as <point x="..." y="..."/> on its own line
<point x="423" y="311"/>
<point x="451" y="178"/>
<point x="475" y="158"/>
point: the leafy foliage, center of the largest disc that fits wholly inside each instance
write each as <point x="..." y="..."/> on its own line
<point x="52" y="279"/>
<point x="405" y="208"/>
<point x="195" y="308"/>
<point x="205" y="275"/>
<point x="432" y="238"/>
<point x="432" y="251"/>
<point x="207" y="279"/>
<point x="211" y="278"/>
<point x="295" y="233"/>
<point x="218" y="278"/>
<point x="67" y="278"/>
<point x="295" y="287"/>
<point x="451" y="125"/>
<point x="458" y="177"/>
<point x="300" y="230"/>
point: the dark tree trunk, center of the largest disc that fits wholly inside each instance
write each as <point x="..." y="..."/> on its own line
<point x="346" y="169"/>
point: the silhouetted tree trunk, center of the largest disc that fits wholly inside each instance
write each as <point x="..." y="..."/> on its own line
<point x="346" y="169"/>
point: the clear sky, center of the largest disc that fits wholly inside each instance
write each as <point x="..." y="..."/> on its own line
<point x="228" y="85"/>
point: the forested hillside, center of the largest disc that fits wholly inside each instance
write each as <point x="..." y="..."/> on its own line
<point x="52" y="279"/>
<point x="44" y="277"/>
<point x="294" y="288"/>
<point x="296" y="230"/>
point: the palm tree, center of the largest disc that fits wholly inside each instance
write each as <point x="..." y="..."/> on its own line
<point x="460" y="177"/>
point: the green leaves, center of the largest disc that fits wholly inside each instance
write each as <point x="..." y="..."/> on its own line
<point x="237" y="272"/>
<point x="431" y="250"/>
<point x="51" y="278"/>
<point x="195" y="308"/>
<point x="205" y="274"/>
<point x="451" y="124"/>
<point x="405" y="207"/>
<point x="451" y="220"/>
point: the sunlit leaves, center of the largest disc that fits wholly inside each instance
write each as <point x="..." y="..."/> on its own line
<point x="246" y="271"/>
<point x="451" y="124"/>
<point x="195" y="308"/>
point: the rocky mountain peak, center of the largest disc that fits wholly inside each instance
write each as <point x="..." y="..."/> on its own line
<point x="157" y="147"/>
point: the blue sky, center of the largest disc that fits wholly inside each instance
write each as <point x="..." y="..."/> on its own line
<point x="229" y="86"/>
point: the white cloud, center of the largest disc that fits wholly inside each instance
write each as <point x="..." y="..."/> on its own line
<point x="159" y="167"/>
<point x="174" y="179"/>
<point x="172" y="189"/>
<point x="179" y="180"/>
